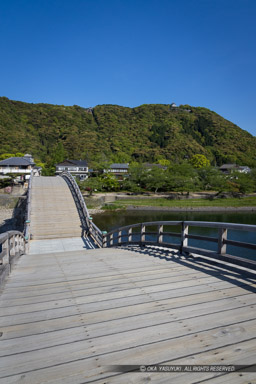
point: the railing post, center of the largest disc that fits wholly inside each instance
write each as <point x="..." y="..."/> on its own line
<point x="6" y="248"/>
<point x="142" y="235"/>
<point x="90" y="225"/>
<point x="26" y="246"/>
<point x="22" y="251"/>
<point x="222" y="247"/>
<point x="129" y="235"/>
<point x="184" y="239"/>
<point x="12" y="246"/>
<point x="16" y="242"/>
<point x="27" y="233"/>
<point x="160" y="234"/>
<point x="19" y="244"/>
<point x="111" y="242"/>
<point x="119" y="237"/>
<point x="104" y="239"/>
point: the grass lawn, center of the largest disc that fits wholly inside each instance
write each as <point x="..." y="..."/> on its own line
<point x="162" y="202"/>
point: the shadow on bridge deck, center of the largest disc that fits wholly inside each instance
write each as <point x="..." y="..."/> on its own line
<point x="73" y="316"/>
<point x="224" y="271"/>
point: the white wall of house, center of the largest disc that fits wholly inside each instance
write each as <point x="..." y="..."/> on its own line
<point x="72" y="169"/>
<point x="5" y="170"/>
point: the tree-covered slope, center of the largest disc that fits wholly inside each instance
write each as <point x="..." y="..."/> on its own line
<point x="120" y="134"/>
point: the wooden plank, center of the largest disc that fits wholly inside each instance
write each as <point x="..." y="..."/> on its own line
<point x="41" y="308"/>
<point x="146" y="353"/>
<point x="125" y="320"/>
<point x="217" y="356"/>
<point x="23" y="306"/>
<point x="105" y="303"/>
<point x="91" y="312"/>
<point x="150" y="319"/>
<point x="77" y="285"/>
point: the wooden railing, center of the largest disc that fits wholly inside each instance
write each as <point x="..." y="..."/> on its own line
<point x="12" y="246"/>
<point x="152" y="233"/>
<point x="90" y="229"/>
<point x="142" y="234"/>
<point x="28" y="213"/>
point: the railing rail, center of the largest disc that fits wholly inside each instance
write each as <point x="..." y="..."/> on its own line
<point x="28" y="212"/>
<point x="88" y="226"/>
<point x="142" y="235"/>
<point x="12" y="246"/>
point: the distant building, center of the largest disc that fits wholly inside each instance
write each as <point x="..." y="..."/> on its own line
<point x="173" y="105"/>
<point x="244" y="169"/>
<point x="78" y="168"/>
<point x="21" y="166"/>
<point x="120" y="170"/>
<point x="229" y="168"/>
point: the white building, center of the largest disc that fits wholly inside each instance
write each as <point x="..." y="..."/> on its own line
<point x="21" y="166"/>
<point x="78" y="168"/>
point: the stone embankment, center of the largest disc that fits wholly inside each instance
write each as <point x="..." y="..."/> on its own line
<point x="6" y="219"/>
<point x="94" y="211"/>
<point x="12" y="212"/>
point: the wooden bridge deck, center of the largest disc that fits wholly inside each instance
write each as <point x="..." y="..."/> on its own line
<point x="68" y="317"/>
<point x="53" y="210"/>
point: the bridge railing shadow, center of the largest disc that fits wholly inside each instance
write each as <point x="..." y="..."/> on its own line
<point x="223" y="271"/>
<point x="209" y="239"/>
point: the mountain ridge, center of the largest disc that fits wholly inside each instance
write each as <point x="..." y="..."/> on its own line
<point x="109" y="132"/>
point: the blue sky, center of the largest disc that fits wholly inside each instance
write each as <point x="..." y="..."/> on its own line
<point x="132" y="52"/>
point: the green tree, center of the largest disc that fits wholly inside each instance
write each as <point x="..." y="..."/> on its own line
<point x="210" y="178"/>
<point x="6" y="156"/>
<point x="182" y="178"/>
<point x="109" y="182"/>
<point x="57" y="157"/>
<point x="245" y="182"/>
<point x="155" y="179"/>
<point x="164" y="162"/>
<point x="58" y="154"/>
<point x="199" y="161"/>
<point x="129" y="185"/>
<point x="92" y="184"/>
<point x="19" y="154"/>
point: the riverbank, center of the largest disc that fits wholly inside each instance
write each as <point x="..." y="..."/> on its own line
<point x="94" y="211"/>
<point x="244" y="204"/>
<point x="190" y="209"/>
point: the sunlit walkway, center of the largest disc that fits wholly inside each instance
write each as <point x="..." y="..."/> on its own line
<point x="68" y="317"/>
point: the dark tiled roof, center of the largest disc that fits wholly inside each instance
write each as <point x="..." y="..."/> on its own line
<point x="228" y="166"/>
<point x="78" y="163"/>
<point x="119" y="166"/>
<point x="17" y="161"/>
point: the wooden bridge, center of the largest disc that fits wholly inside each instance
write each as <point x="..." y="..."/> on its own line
<point x="81" y="306"/>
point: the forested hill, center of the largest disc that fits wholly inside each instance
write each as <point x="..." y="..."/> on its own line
<point x="109" y="132"/>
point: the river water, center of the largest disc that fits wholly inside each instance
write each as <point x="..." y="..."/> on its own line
<point x="110" y="220"/>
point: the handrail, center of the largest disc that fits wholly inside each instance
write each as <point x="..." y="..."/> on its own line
<point x="12" y="246"/>
<point x="90" y="228"/>
<point x="28" y="212"/>
<point x="126" y="235"/>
